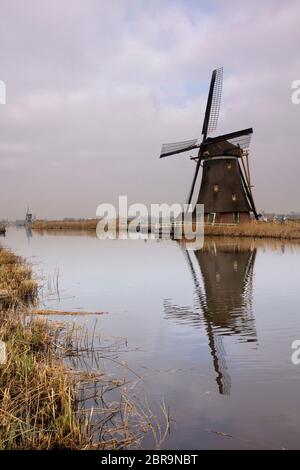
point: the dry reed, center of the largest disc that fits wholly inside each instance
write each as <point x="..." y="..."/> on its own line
<point x="45" y="403"/>
<point x="88" y="224"/>
<point x="289" y="230"/>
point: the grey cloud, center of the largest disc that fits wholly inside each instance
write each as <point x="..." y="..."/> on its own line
<point x="94" y="88"/>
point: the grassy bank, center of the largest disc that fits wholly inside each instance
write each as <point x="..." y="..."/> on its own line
<point x="45" y="401"/>
<point x="16" y="283"/>
<point x="88" y="224"/>
<point x="37" y="397"/>
<point x="289" y="230"/>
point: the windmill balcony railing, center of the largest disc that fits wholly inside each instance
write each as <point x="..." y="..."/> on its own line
<point x="222" y="224"/>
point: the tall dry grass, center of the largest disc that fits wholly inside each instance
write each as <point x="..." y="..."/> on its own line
<point x="37" y="397"/>
<point x="16" y="283"/>
<point x="89" y="224"/>
<point x="288" y="230"/>
<point x="45" y="403"/>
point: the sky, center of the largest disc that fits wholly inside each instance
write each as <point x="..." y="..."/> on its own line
<point x="93" y="88"/>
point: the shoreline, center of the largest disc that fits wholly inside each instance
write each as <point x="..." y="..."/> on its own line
<point x="286" y="231"/>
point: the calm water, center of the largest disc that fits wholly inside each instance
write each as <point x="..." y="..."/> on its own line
<point x="210" y="331"/>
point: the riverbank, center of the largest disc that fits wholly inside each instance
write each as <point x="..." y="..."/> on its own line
<point x="87" y="224"/>
<point x="38" y="407"/>
<point x="289" y="230"/>
<point x="285" y="231"/>
<point x="46" y="402"/>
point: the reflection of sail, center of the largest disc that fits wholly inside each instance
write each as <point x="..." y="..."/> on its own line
<point x="222" y="299"/>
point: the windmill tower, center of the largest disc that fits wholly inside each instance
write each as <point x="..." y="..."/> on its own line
<point x="28" y="218"/>
<point x="225" y="188"/>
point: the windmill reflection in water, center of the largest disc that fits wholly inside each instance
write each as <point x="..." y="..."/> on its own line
<point x="222" y="274"/>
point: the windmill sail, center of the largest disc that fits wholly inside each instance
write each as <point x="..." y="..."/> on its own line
<point x="248" y="193"/>
<point x="191" y="192"/>
<point x="178" y="147"/>
<point x="227" y="144"/>
<point x="213" y="102"/>
<point x="240" y="139"/>
<point x="210" y="119"/>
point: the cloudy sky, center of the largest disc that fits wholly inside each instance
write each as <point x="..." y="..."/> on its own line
<point x="95" y="87"/>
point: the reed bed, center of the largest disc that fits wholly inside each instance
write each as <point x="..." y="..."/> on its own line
<point x="49" y="397"/>
<point x="46" y="405"/>
<point x="37" y="397"/>
<point x="249" y="243"/>
<point x="16" y="283"/>
<point x="288" y="231"/>
<point x="88" y="224"/>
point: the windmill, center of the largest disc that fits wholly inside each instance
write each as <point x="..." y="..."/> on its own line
<point x="225" y="189"/>
<point x="28" y="218"/>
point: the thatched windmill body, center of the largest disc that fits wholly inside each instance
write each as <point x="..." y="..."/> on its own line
<point x="225" y="189"/>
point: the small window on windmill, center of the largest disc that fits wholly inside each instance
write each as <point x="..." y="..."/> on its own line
<point x="216" y="188"/>
<point x="233" y="196"/>
<point x="229" y="165"/>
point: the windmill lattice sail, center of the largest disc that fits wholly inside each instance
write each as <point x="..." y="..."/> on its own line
<point x="178" y="147"/>
<point x="213" y="103"/>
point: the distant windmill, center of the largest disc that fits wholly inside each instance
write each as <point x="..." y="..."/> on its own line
<point x="225" y="188"/>
<point x="28" y="218"/>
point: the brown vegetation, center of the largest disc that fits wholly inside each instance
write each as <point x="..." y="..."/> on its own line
<point x="16" y="283"/>
<point x="88" y="224"/>
<point x="43" y="399"/>
<point x="37" y="397"/>
<point x="289" y="230"/>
